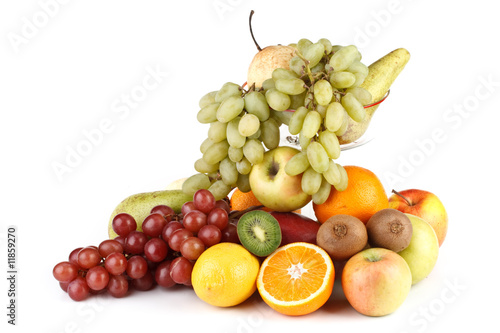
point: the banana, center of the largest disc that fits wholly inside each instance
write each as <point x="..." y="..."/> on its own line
<point x="382" y="74"/>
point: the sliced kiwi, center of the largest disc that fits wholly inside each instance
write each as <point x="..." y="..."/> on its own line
<point x="259" y="232"/>
<point x="389" y="228"/>
<point x="342" y="236"/>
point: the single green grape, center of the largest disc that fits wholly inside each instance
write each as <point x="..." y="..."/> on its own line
<point x="317" y="157"/>
<point x="230" y="108"/>
<point x="297" y="164"/>
<point x="311" y="181"/>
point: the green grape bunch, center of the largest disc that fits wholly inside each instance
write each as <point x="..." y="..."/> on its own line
<point x="315" y="98"/>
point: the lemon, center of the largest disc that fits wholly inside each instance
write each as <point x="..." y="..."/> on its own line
<point x="225" y="275"/>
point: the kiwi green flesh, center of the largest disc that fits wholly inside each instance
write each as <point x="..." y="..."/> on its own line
<point x="259" y="232"/>
<point x="342" y="236"/>
<point x="390" y="229"/>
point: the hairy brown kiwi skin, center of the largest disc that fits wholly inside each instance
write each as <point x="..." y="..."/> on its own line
<point x="342" y="236"/>
<point x="389" y="228"/>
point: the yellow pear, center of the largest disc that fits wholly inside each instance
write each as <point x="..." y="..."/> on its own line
<point x="382" y="74"/>
<point x="267" y="60"/>
<point x="140" y="205"/>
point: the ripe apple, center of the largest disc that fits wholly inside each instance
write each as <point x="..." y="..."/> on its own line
<point x="424" y="205"/>
<point x="273" y="187"/>
<point x="376" y="281"/>
<point x="422" y="253"/>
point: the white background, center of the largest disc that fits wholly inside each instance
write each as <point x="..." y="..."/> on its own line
<point x="63" y="74"/>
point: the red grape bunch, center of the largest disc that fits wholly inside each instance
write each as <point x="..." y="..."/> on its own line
<point x="163" y="253"/>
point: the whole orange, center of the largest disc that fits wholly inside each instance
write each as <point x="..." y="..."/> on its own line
<point x="242" y="200"/>
<point x="363" y="197"/>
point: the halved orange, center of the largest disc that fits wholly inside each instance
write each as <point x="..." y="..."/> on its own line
<point x="296" y="279"/>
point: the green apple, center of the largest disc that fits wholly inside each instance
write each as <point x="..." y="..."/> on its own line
<point x="376" y="281"/>
<point x="273" y="187"/>
<point x="422" y="253"/>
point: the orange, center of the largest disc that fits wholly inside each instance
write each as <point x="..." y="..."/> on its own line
<point x="363" y="197"/>
<point x="243" y="200"/>
<point x="296" y="279"/>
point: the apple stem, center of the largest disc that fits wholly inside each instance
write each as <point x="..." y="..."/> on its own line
<point x="402" y="196"/>
<point x="251" y="31"/>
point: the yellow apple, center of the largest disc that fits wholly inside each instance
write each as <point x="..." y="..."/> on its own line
<point x="273" y="187"/>
<point x="422" y="253"/>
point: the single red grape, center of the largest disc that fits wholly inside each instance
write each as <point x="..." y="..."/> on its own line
<point x="218" y="217"/>
<point x="204" y="201"/>
<point x="194" y="220"/>
<point x="153" y="225"/>
<point x="116" y="263"/>
<point x="117" y="285"/>
<point x="97" y="278"/>
<point x="210" y="235"/>
<point x="65" y="271"/>
<point x="156" y="249"/>
<point x="78" y="289"/>
<point x="136" y="267"/>
<point x="88" y="257"/>
<point x="109" y="246"/>
<point x="135" y="241"/>
<point x="180" y="270"/>
<point x="123" y="224"/>
<point x="192" y="248"/>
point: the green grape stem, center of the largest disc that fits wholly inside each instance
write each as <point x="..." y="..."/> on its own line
<point x="307" y="68"/>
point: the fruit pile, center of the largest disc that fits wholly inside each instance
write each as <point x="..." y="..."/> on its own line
<point x="202" y="237"/>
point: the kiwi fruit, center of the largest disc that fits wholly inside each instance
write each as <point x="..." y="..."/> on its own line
<point x="259" y="232"/>
<point x="342" y="236"/>
<point x="389" y="228"/>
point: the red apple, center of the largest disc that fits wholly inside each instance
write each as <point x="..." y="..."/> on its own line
<point x="376" y="281"/>
<point x="296" y="227"/>
<point x="273" y="187"/>
<point x="425" y="205"/>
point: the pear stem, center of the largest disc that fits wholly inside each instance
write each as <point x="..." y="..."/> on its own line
<point x="251" y="31"/>
<point x="402" y="196"/>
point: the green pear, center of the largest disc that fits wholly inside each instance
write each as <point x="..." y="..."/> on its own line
<point x="140" y="205"/>
<point x="382" y="74"/>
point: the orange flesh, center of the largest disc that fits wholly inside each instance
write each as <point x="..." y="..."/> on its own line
<point x="294" y="274"/>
